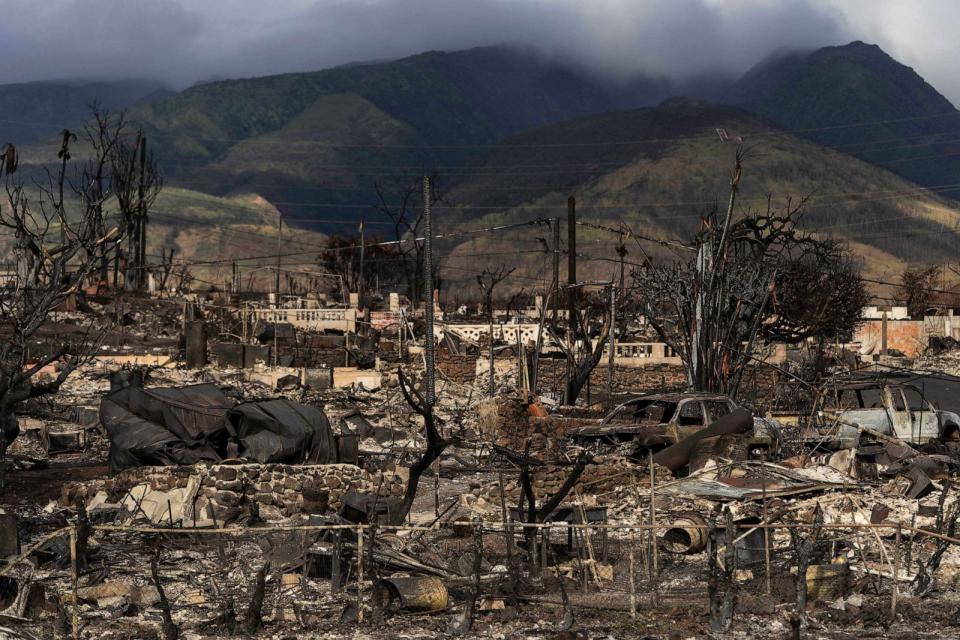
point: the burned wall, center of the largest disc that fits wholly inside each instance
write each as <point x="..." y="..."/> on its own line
<point x="223" y="492"/>
<point x="650" y="379"/>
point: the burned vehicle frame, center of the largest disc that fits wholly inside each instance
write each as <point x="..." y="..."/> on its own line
<point x="651" y="423"/>
<point x="853" y="413"/>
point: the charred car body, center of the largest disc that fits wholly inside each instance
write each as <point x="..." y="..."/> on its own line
<point x="895" y="410"/>
<point x="654" y="422"/>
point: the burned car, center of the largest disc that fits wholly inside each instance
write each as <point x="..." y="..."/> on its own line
<point x="895" y="410"/>
<point x="654" y="422"/>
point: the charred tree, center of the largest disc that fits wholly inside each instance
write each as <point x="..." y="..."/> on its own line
<point x="436" y="445"/>
<point x="60" y="242"/>
<point x="746" y="280"/>
<point x="406" y="216"/>
<point x="584" y="356"/>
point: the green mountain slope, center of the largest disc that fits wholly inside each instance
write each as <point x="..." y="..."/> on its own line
<point x="327" y="136"/>
<point x="662" y="167"/>
<point x="899" y="121"/>
<point x="33" y="111"/>
<point x="208" y="232"/>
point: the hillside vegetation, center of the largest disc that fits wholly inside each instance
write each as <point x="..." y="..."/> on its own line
<point x="899" y="121"/>
<point x="665" y="166"/>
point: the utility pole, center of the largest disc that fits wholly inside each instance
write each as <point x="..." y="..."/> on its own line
<point x="430" y="395"/>
<point x="360" y="283"/>
<point x="571" y="289"/>
<point x="556" y="269"/>
<point x="276" y="285"/>
<point x="572" y="265"/>
<point x="612" y="339"/>
<point x="142" y="217"/>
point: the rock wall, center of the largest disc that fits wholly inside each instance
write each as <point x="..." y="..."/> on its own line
<point x="654" y="378"/>
<point x="224" y="492"/>
<point x="459" y="368"/>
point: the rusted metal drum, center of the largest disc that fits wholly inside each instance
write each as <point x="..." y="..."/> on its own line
<point x="417" y="593"/>
<point x="687" y="534"/>
<point x="827" y="582"/>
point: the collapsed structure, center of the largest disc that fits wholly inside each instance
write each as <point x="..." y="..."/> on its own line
<point x="345" y="465"/>
<point x="844" y="514"/>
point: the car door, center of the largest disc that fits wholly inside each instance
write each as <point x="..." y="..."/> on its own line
<point x="924" y="424"/>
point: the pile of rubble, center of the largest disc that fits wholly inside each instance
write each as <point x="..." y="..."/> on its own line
<point x="606" y="474"/>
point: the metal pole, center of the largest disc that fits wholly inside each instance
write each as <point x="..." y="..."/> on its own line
<point x="360" y="283"/>
<point x="492" y="387"/>
<point x="572" y="265"/>
<point x="276" y="284"/>
<point x="556" y="269"/>
<point x="613" y="331"/>
<point x="430" y="395"/>
<point x="142" y="258"/>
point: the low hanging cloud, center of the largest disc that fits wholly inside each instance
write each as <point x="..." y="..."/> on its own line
<point x="184" y="41"/>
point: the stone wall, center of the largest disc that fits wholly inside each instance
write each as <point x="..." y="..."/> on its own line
<point x="224" y="492"/>
<point x="458" y="368"/>
<point x="655" y="378"/>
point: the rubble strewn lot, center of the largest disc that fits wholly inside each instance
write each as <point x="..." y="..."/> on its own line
<point x="147" y="499"/>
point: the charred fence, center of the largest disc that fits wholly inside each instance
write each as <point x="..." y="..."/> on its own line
<point x="327" y="574"/>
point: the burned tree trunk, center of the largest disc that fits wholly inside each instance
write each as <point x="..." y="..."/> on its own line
<point x="581" y="369"/>
<point x="435" y="447"/>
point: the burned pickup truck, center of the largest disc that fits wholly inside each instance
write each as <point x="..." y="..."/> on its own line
<point x="654" y="422"/>
<point x="855" y="411"/>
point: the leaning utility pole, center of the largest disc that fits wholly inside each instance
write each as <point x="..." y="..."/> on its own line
<point x="429" y="395"/>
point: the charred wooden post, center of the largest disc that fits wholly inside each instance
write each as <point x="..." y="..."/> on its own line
<point x="946" y="524"/>
<point x="335" y="568"/>
<point x="74" y="579"/>
<point x="568" y="618"/>
<point x="633" y="581"/>
<point x="508" y="537"/>
<point x="721" y="585"/>
<point x="376" y="603"/>
<point x="729" y="571"/>
<point x="803" y="546"/>
<point x="168" y="629"/>
<point x="83" y="533"/>
<point x="359" y="574"/>
<point x="713" y="573"/>
<point x="253" y="620"/>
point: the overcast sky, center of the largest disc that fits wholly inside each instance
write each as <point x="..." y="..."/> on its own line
<point x="183" y="41"/>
